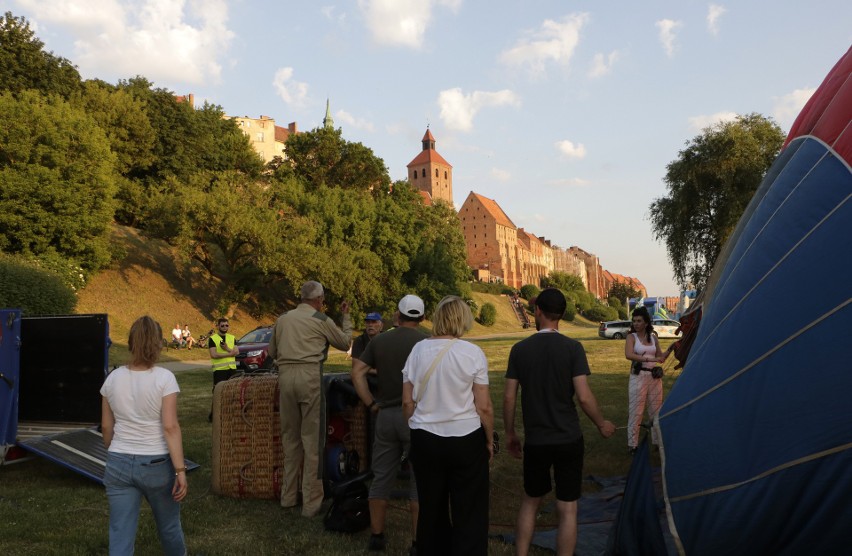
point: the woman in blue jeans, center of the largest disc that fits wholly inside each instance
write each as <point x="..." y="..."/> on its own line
<point x="144" y="444"/>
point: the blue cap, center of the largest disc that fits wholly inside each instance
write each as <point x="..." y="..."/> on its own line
<point x="373" y="316"/>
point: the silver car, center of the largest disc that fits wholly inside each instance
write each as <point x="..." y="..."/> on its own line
<point x="614" y="329"/>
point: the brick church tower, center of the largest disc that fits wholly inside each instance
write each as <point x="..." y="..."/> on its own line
<point x="430" y="173"/>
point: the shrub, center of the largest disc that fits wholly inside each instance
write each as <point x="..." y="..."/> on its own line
<point x="35" y="290"/>
<point x="599" y="312"/>
<point x="570" y="313"/>
<point x="528" y="291"/>
<point x="488" y="314"/>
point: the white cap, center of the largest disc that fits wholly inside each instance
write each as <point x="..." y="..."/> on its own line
<point x="411" y="306"/>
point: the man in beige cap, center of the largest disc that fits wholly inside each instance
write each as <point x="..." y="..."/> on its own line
<point x="299" y="346"/>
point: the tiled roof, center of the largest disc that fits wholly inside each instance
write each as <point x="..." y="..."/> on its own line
<point x="427" y="199"/>
<point x="494" y="210"/>
<point x="281" y="134"/>
<point x="428" y="155"/>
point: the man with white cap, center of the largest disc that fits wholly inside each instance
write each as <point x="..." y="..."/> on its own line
<point x="299" y="346"/>
<point x="387" y="353"/>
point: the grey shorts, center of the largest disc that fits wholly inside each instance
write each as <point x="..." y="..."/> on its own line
<point x="392" y="440"/>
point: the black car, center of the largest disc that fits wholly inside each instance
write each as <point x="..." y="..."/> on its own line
<point x="254" y="350"/>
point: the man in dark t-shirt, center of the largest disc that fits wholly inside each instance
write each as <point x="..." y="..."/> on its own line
<point x="387" y="354"/>
<point x="551" y="369"/>
<point x="372" y="327"/>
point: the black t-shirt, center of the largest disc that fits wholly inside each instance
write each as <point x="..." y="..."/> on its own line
<point x="387" y="353"/>
<point x="545" y="365"/>
<point x="359" y="345"/>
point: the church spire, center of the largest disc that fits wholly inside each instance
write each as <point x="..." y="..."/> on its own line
<point x="328" y="122"/>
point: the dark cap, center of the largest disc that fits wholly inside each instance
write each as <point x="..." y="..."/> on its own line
<point x="552" y="301"/>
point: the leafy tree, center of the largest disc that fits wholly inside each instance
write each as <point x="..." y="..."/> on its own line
<point x="622" y="291"/>
<point x="323" y="157"/>
<point x="122" y="117"/>
<point x="57" y="180"/>
<point x="528" y="291"/>
<point x="564" y="281"/>
<point x="709" y="186"/>
<point x="35" y="290"/>
<point x="25" y="65"/>
<point x="570" y="313"/>
<point x="487" y="314"/>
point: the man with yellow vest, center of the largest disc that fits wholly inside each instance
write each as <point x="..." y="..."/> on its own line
<point x="223" y="354"/>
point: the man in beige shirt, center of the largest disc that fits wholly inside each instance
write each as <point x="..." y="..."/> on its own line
<point x="299" y="346"/>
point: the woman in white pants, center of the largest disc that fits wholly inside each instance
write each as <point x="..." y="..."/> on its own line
<point x="642" y="348"/>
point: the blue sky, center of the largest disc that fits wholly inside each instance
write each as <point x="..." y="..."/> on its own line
<point x="564" y="112"/>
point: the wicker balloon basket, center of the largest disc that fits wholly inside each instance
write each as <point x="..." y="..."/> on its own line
<point x="247" y="457"/>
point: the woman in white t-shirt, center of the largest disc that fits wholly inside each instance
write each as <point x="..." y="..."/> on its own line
<point x="144" y="445"/>
<point x="445" y="398"/>
<point x="644" y="391"/>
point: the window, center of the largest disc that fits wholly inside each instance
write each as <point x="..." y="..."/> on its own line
<point x="445" y="174"/>
<point x="414" y="175"/>
<point x="436" y="172"/>
<point x="259" y="136"/>
<point x="423" y="173"/>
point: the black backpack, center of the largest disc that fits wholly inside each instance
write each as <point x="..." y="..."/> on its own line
<point x="350" y="509"/>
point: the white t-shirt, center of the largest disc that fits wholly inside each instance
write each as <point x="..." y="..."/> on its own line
<point x="177" y="334"/>
<point x="446" y="407"/>
<point x="136" y="399"/>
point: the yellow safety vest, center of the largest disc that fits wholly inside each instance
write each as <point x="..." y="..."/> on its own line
<point x="227" y="362"/>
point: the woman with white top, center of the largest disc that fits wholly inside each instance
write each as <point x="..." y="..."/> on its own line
<point x="446" y="401"/>
<point x="644" y="390"/>
<point x="144" y="445"/>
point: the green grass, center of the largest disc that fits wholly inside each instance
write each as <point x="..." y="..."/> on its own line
<point x="46" y="509"/>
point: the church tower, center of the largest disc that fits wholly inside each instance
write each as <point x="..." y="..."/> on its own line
<point x="430" y="173"/>
<point x="328" y="121"/>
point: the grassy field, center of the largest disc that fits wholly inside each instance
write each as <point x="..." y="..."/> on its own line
<point x="46" y="509"/>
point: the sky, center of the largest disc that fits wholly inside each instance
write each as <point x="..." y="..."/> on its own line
<point x="564" y="112"/>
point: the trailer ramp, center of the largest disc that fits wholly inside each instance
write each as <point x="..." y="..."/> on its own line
<point x="80" y="450"/>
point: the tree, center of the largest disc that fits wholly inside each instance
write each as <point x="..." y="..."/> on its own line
<point x="57" y="180"/>
<point x="323" y="157"/>
<point x="25" y="65"/>
<point x="487" y="315"/>
<point x="622" y="291"/>
<point x="564" y="281"/>
<point x="709" y="186"/>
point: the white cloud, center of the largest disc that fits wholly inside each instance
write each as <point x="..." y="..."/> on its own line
<point x="667" y="29"/>
<point x="602" y="64"/>
<point x="357" y="123"/>
<point x="570" y="182"/>
<point x="787" y="107"/>
<point x="699" y="123"/>
<point x="138" y="37"/>
<point x="714" y="12"/>
<point x="555" y="41"/>
<point x="458" y="109"/>
<point x="401" y="22"/>
<point x="571" y="150"/>
<point x="328" y="12"/>
<point x="500" y="175"/>
<point x="292" y="92"/>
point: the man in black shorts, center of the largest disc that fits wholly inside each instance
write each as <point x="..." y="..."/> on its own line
<point x="551" y="369"/>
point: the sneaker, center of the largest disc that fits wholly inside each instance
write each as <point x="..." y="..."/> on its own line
<point x="377" y="543"/>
